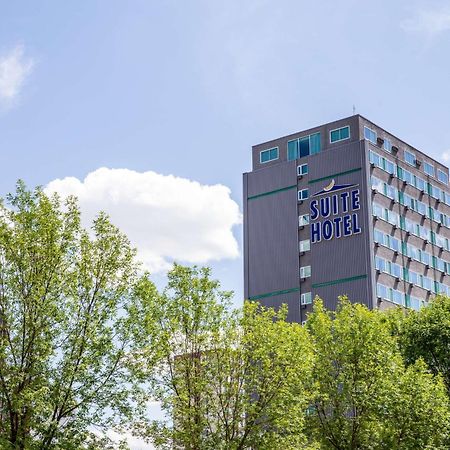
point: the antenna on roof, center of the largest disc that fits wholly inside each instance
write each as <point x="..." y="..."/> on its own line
<point x="354" y="109"/>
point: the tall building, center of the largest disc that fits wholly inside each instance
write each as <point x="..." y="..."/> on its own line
<point x="345" y="208"/>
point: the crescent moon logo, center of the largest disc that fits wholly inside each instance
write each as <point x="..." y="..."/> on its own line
<point x="330" y="186"/>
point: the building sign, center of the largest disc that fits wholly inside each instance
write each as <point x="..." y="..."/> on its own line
<point x="334" y="212"/>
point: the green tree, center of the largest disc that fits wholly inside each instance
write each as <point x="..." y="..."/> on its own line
<point x="365" y="398"/>
<point x="426" y="334"/>
<point x="64" y="336"/>
<point x="226" y="379"/>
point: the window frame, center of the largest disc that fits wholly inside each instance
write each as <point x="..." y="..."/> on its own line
<point x="373" y="131"/>
<point x="302" y="197"/>
<point x="269" y="150"/>
<point x="300" y="166"/>
<point x="304" y="295"/>
<point x="304" y="241"/>
<point x="339" y="129"/>
<point x="425" y="163"/>
<point x="302" y="216"/>
<point x="439" y="171"/>
<point x="302" y="269"/>
<point x="297" y="141"/>
<point x="406" y="161"/>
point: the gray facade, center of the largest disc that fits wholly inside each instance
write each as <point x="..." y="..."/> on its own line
<point x="376" y="222"/>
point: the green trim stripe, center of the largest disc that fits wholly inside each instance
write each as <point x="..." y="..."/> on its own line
<point x="294" y="186"/>
<point x="272" y="294"/>
<point x="334" y="175"/>
<point x="339" y="281"/>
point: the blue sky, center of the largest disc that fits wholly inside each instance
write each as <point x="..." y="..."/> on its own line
<point x="185" y="88"/>
<point x="164" y="88"/>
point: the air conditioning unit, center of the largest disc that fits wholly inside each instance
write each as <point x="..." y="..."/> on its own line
<point x="394" y="149"/>
<point x="418" y="163"/>
<point x="380" y="141"/>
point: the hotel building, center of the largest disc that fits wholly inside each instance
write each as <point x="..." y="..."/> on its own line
<point x="345" y="208"/>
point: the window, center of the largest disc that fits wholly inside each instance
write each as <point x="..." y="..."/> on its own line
<point x="376" y="159"/>
<point x="389" y="166"/>
<point x="304" y="146"/>
<point x="378" y="237"/>
<point x="387" y="145"/>
<point x="407" y="176"/>
<point x="434" y="191"/>
<point x="382" y="291"/>
<point x="410" y="158"/>
<point x="428" y="168"/>
<point x="306" y="298"/>
<point x="415" y="303"/>
<point x="398" y="297"/>
<point x="302" y="170"/>
<point x="390" y="191"/>
<point x="268" y="155"/>
<point x="303" y="220"/>
<point x="420" y="183"/>
<point x="305" y="246"/>
<point x="302" y="194"/>
<point x="380" y="264"/>
<point x="305" y="272"/>
<point x="442" y="176"/>
<point x="395" y="270"/>
<point x="370" y="135"/>
<point x="340" y="134"/>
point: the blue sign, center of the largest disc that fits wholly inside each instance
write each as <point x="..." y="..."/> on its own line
<point x="337" y="205"/>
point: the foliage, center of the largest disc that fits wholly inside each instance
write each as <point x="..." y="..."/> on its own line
<point x="63" y="339"/>
<point x="365" y="398"/>
<point x="426" y="334"/>
<point x="229" y="379"/>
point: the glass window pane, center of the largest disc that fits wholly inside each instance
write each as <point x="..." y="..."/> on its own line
<point x="314" y="143"/>
<point x="304" y="147"/>
<point x="410" y="158"/>
<point x="292" y="150"/>
<point x="345" y="133"/>
<point x="334" y="135"/>
<point x="428" y="169"/>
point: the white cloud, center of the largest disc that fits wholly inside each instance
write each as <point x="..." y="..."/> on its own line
<point x="430" y="22"/>
<point x="14" y="69"/>
<point x="446" y="156"/>
<point x="166" y="217"/>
